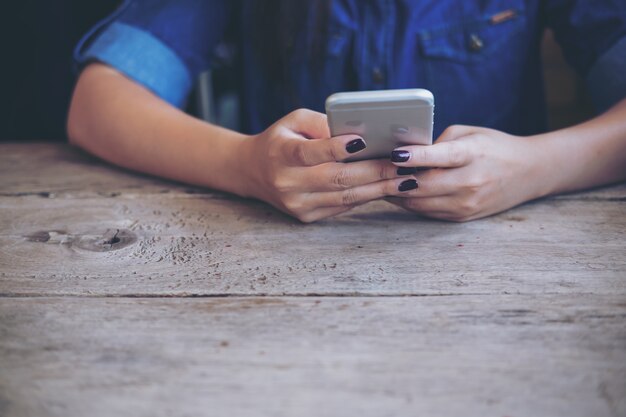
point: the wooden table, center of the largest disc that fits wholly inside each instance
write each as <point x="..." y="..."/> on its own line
<point x="126" y="295"/>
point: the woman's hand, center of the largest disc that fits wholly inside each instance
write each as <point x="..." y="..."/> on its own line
<point x="124" y="123"/>
<point x="475" y="172"/>
<point x="297" y="168"/>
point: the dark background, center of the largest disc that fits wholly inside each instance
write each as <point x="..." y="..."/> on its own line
<point x="38" y="38"/>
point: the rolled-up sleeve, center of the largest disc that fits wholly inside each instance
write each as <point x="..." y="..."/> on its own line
<point x="163" y="45"/>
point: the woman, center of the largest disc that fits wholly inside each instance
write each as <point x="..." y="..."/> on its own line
<point x="479" y="58"/>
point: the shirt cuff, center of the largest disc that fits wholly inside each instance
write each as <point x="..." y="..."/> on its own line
<point x="607" y="78"/>
<point x="143" y="58"/>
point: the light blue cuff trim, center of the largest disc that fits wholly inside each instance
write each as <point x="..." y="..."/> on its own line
<point x="607" y="78"/>
<point x="145" y="59"/>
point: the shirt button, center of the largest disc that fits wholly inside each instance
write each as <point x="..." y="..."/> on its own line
<point x="475" y="43"/>
<point x="377" y="75"/>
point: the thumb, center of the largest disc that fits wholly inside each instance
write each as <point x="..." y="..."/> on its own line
<point x="308" y="123"/>
<point x="455" y="132"/>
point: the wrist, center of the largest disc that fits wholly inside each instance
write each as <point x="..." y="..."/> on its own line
<point x="240" y="174"/>
<point x="549" y="168"/>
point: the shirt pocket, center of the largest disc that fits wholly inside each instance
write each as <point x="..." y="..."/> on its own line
<point x="337" y="62"/>
<point x="474" y="66"/>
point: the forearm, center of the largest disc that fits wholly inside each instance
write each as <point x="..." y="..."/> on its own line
<point x="583" y="156"/>
<point x="123" y="123"/>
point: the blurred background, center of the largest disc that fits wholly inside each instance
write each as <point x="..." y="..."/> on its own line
<point x="37" y="75"/>
<point x="37" y="78"/>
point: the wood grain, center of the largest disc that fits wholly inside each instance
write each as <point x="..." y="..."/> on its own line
<point x="122" y="294"/>
<point x="51" y="170"/>
<point x="512" y="355"/>
<point x="190" y="245"/>
<point x="59" y="223"/>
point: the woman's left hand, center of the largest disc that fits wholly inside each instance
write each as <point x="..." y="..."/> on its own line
<point x="474" y="172"/>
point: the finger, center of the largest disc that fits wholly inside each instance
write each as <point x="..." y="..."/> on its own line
<point x="440" y="215"/>
<point x="440" y="155"/>
<point x="317" y="152"/>
<point x="436" y="183"/>
<point x="340" y="176"/>
<point x="322" y="213"/>
<point x="458" y="131"/>
<point x="431" y="207"/>
<point x="442" y="209"/>
<point x="308" y="123"/>
<point x="422" y="205"/>
<point x="362" y="194"/>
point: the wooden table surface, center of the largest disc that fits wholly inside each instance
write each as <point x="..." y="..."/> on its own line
<point x="126" y="295"/>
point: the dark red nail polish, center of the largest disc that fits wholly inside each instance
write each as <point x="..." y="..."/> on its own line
<point x="355" y="145"/>
<point x="400" y="156"/>
<point x="407" y="185"/>
<point x="406" y="170"/>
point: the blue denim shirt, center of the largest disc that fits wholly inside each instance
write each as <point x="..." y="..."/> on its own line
<point x="481" y="59"/>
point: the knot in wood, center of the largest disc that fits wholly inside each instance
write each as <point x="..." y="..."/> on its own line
<point x="112" y="239"/>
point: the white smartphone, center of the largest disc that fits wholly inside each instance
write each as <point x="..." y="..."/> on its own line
<point x="385" y="119"/>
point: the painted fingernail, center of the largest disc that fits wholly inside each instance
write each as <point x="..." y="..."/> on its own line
<point x="407" y="185"/>
<point x="355" y="145"/>
<point x="407" y="170"/>
<point x="400" y="156"/>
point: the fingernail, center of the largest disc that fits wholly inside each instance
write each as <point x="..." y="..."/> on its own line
<point x="400" y="156"/>
<point x="407" y="170"/>
<point x="407" y="185"/>
<point x="355" y="145"/>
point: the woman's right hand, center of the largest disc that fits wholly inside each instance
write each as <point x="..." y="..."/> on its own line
<point x="295" y="166"/>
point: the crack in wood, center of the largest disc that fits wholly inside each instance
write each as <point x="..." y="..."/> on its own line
<point x="108" y="241"/>
<point x="44" y="194"/>
<point x="243" y="295"/>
